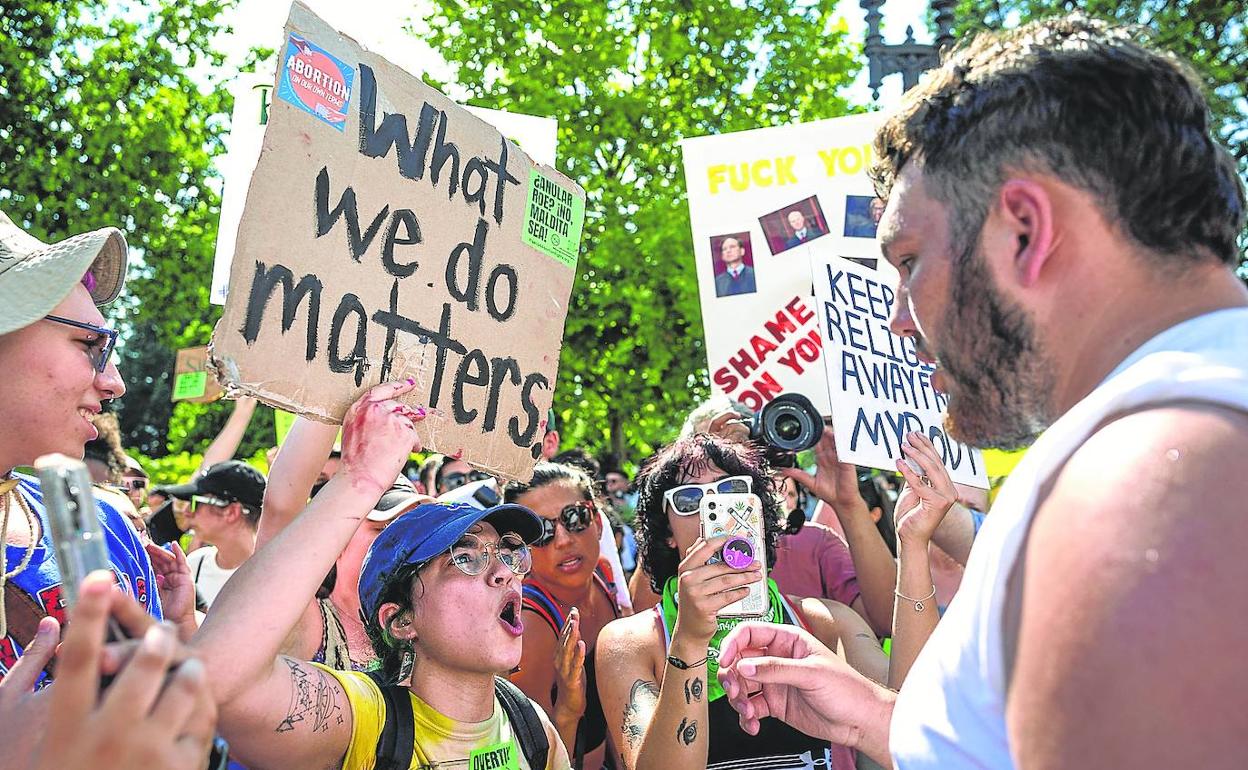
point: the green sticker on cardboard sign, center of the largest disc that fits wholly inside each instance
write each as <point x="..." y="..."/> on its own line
<point x="553" y="218"/>
<point x="190" y="385"/>
<point x="501" y="756"/>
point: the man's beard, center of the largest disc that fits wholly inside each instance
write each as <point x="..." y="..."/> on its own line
<point x="998" y="375"/>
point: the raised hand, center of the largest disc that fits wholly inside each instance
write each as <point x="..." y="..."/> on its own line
<point x="570" y="671"/>
<point x="175" y="586"/>
<point x="378" y="435"/>
<point x="705" y="589"/>
<point x="928" y="495"/>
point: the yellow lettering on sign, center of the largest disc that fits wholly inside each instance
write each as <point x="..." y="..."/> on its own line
<point x="846" y="160"/>
<point x="764" y="172"/>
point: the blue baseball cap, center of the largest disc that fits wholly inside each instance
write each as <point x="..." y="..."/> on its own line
<point x="426" y="531"/>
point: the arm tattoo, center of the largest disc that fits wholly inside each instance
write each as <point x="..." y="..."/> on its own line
<point x="687" y="731"/>
<point x="693" y="690"/>
<point x="641" y="702"/>
<point x="312" y="697"/>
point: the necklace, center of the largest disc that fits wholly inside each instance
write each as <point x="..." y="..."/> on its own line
<point x="8" y="490"/>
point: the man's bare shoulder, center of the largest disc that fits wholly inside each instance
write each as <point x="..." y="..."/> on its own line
<point x="1132" y="575"/>
<point x="1150" y="470"/>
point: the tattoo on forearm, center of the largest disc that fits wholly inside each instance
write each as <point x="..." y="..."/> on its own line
<point x="313" y="698"/>
<point x="693" y="690"/>
<point x="642" y="699"/>
<point x="687" y="731"/>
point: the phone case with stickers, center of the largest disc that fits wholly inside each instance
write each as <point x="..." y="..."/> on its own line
<point x="740" y="517"/>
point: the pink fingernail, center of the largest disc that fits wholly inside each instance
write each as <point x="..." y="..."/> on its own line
<point x="411" y="381"/>
<point x="420" y="411"/>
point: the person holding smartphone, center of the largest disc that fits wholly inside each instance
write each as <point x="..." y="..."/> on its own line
<point x="56" y="374"/>
<point x="663" y="698"/>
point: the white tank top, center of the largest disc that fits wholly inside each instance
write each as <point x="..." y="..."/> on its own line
<point x="951" y="711"/>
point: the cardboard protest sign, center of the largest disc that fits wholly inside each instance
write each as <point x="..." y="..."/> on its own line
<point x="757" y="200"/>
<point x="253" y="94"/>
<point x="191" y="379"/>
<point x="878" y="387"/>
<point x="411" y="241"/>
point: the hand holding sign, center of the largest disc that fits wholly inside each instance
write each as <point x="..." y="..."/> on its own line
<point x="378" y="435"/>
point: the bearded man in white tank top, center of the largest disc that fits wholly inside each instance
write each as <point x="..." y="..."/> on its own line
<point x="1065" y="225"/>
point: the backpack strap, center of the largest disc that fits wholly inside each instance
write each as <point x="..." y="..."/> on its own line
<point x="398" y="733"/>
<point x="525" y="723"/>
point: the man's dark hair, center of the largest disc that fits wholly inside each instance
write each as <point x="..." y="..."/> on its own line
<point x="1090" y="104"/>
<point x="685" y="458"/>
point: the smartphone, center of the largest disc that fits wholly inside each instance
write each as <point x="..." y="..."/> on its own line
<point x="80" y="548"/>
<point x="740" y="517"/>
<point x="72" y="521"/>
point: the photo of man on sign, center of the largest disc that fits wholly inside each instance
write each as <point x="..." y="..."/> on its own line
<point x="734" y="265"/>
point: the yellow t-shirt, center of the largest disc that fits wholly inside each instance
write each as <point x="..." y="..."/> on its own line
<point x="441" y="742"/>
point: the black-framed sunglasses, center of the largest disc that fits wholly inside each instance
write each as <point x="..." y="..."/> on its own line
<point x="456" y="480"/>
<point x="101" y="349"/>
<point x="575" y="518"/>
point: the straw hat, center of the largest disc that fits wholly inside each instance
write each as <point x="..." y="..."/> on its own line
<point x="36" y="276"/>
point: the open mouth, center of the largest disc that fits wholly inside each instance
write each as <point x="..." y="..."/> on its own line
<point x="570" y="564"/>
<point x="509" y="614"/>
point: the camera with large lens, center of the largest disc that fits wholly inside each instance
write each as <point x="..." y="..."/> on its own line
<point x="785" y="426"/>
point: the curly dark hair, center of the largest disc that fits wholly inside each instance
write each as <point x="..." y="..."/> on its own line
<point x="1092" y="104"/>
<point x="682" y="459"/>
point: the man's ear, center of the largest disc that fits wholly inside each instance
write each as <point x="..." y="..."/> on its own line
<point x="234" y="512"/>
<point x="1023" y="228"/>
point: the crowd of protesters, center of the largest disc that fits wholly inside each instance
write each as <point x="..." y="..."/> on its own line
<point x="1065" y="228"/>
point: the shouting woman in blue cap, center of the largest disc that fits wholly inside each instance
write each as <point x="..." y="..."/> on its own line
<point x="440" y="594"/>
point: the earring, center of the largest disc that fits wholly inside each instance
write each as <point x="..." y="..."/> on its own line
<point x="406" y="665"/>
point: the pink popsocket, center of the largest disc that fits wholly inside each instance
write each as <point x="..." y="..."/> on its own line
<point x="738" y="552"/>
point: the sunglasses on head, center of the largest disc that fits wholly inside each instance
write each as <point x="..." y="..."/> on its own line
<point x="575" y="518"/>
<point x="686" y="498"/>
<point x="100" y="347"/>
<point x="456" y="480"/>
<point x="471" y="555"/>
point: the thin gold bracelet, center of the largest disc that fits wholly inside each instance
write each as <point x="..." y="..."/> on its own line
<point x="919" y="606"/>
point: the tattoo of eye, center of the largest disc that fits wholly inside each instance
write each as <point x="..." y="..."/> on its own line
<point x="687" y="731"/>
<point x="312" y="698"/>
<point x="642" y="699"/>
<point x="693" y="690"/>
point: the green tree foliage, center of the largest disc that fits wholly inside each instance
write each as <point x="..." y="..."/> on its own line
<point x="627" y="81"/>
<point x="103" y="123"/>
<point x="1211" y="34"/>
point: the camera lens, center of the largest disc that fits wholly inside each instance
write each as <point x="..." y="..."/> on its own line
<point x="790" y="423"/>
<point x="713" y="516"/>
<point x="788" y="427"/>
